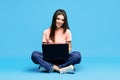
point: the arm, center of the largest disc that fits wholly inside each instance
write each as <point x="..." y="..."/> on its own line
<point x="45" y="37"/>
<point x="44" y="42"/>
<point x="69" y="45"/>
<point x="69" y="39"/>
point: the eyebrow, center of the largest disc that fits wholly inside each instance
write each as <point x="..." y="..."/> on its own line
<point x="59" y="18"/>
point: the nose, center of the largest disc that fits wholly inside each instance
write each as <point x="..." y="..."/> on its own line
<point x="60" y="21"/>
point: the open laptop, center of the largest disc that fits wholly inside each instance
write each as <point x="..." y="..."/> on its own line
<point x="55" y="52"/>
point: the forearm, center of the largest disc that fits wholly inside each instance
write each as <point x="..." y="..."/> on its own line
<point x="69" y="46"/>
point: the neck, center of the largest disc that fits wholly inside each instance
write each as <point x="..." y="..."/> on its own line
<point x="58" y="28"/>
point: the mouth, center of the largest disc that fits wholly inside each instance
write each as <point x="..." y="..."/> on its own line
<point x="58" y="24"/>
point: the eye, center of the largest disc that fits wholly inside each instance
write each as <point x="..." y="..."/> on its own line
<point x="58" y="18"/>
<point x="63" y="20"/>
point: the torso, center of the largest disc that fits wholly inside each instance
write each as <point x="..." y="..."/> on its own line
<point x="60" y="37"/>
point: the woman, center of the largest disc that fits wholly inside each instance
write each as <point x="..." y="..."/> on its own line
<point x="58" y="33"/>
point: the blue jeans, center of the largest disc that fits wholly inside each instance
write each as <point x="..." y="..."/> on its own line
<point x="37" y="58"/>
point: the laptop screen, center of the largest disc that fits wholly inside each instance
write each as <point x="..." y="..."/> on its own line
<point x="55" y="51"/>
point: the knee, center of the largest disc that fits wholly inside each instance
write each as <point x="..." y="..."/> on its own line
<point x="77" y="56"/>
<point x="35" y="54"/>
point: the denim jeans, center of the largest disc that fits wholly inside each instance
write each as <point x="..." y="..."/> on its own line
<point x="37" y="58"/>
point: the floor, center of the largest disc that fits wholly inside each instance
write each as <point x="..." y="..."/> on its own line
<point x="91" y="68"/>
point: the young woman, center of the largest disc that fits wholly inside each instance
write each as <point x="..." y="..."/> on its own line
<point x="58" y="33"/>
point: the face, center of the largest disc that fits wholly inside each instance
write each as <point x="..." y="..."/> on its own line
<point x="59" y="21"/>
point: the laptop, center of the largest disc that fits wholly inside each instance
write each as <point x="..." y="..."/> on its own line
<point x="55" y="52"/>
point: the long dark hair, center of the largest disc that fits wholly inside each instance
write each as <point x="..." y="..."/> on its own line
<point x="53" y="27"/>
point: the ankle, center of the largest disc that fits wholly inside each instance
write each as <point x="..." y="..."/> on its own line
<point x="55" y="67"/>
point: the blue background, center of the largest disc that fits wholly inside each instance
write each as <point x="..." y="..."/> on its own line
<point x="95" y="27"/>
